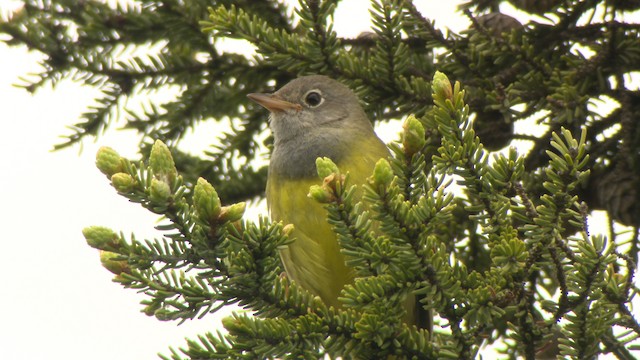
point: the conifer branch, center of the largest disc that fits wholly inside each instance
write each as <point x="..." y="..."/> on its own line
<point x="508" y="257"/>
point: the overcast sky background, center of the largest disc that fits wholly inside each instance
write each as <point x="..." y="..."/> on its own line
<point x="58" y="301"/>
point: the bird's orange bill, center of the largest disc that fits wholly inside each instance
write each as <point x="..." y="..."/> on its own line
<point x="272" y="103"/>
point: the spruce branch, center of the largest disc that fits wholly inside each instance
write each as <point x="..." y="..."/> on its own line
<point x="510" y="256"/>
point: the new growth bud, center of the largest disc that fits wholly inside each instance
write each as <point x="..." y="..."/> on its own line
<point x="109" y="262"/>
<point x="161" y="163"/>
<point x="163" y="314"/>
<point x="413" y="137"/>
<point x="288" y="229"/>
<point x="441" y="86"/>
<point x="232" y="213"/>
<point x="108" y="161"/>
<point x="102" y="238"/>
<point x="159" y="191"/>
<point x="123" y="182"/>
<point x="382" y="173"/>
<point x="206" y="201"/>
<point x="232" y="324"/>
<point x="320" y="194"/>
<point x="326" y="167"/>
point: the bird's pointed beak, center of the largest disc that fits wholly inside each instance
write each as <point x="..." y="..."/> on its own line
<point x="273" y="103"/>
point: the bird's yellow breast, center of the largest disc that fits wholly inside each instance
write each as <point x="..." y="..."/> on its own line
<point x="314" y="260"/>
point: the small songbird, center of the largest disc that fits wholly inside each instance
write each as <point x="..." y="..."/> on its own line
<point x="315" y="116"/>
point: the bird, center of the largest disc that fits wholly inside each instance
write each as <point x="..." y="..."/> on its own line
<point x="310" y="117"/>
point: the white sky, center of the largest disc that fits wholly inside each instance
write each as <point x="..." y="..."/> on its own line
<point x="59" y="302"/>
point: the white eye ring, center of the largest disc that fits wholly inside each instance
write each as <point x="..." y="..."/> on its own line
<point x="313" y="98"/>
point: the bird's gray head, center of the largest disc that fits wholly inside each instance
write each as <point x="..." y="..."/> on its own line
<point x="312" y="116"/>
<point x="313" y="103"/>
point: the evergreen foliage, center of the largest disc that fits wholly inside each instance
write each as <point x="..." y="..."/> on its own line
<point x="507" y="256"/>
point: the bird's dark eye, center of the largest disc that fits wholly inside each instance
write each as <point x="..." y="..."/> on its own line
<point x="313" y="98"/>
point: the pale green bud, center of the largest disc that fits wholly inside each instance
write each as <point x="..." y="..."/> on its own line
<point x="108" y="161"/>
<point x="232" y="213"/>
<point x="326" y="167"/>
<point x="413" y="137"/>
<point x="382" y="173"/>
<point x="441" y="86"/>
<point x="102" y="238"/>
<point x="161" y="163"/>
<point x="151" y="309"/>
<point x="163" y="314"/>
<point x="109" y="262"/>
<point x="123" y="182"/>
<point x="288" y="229"/>
<point x="320" y="194"/>
<point x="233" y="325"/>
<point x="159" y="191"/>
<point x="206" y="201"/>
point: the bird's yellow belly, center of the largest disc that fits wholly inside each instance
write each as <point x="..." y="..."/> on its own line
<point x="314" y="260"/>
